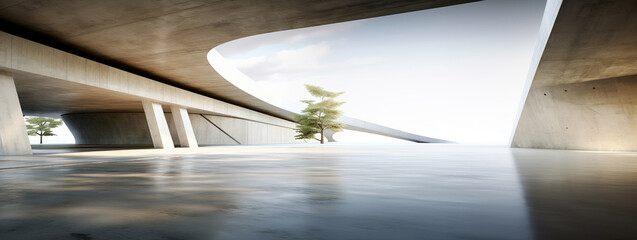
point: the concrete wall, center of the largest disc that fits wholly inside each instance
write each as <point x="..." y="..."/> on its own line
<point x="109" y="128"/>
<point x="132" y="129"/>
<point x="583" y="95"/>
<point x="592" y="115"/>
<point x="246" y="132"/>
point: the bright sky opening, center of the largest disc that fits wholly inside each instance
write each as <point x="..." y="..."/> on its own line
<point x="455" y="73"/>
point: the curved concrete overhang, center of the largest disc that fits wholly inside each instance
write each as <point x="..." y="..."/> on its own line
<point x="274" y="103"/>
<point x="167" y="41"/>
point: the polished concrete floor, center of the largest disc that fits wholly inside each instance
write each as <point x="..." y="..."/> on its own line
<point x="413" y="191"/>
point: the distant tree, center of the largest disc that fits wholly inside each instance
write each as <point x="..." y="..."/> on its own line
<point x="42" y="126"/>
<point x="319" y="116"/>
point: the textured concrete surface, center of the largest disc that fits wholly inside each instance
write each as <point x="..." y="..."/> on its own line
<point x="244" y="131"/>
<point x="76" y="84"/>
<point x="157" y="125"/>
<point x="593" y="115"/>
<point x="369" y="127"/>
<point x="183" y="127"/>
<point x="583" y="92"/>
<point x="320" y="192"/>
<point x="132" y="129"/>
<point x="123" y="128"/>
<point x="13" y="137"/>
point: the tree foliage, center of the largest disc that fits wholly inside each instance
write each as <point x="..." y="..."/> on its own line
<point x="319" y="116"/>
<point x="42" y="126"/>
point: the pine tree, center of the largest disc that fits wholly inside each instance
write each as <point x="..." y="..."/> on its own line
<point x="319" y="116"/>
<point x="41" y="126"/>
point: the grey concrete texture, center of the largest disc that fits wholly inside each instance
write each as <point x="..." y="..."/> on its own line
<point x="592" y="115"/>
<point x="244" y="131"/>
<point x="109" y="128"/>
<point x="369" y="127"/>
<point x="13" y="138"/>
<point x="328" y="191"/>
<point x="583" y="93"/>
<point x="183" y="127"/>
<point x="168" y="40"/>
<point x="132" y="129"/>
<point x="157" y="125"/>
<point x="591" y="40"/>
<point x="76" y="84"/>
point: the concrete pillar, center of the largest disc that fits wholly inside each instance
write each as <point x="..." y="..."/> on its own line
<point x="13" y="131"/>
<point x="329" y="135"/>
<point x="184" y="127"/>
<point x="157" y="125"/>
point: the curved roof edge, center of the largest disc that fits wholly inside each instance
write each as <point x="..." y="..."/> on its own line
<point x="272" y="102"/>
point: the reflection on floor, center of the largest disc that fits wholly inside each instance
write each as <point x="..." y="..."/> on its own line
<point x="579" y="194"/>
<point x="413" y="191"/>
<point x="40" y="149"/>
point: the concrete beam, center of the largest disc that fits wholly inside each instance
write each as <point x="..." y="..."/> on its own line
<point x="13" y="131"/>
<point x="157" y="125"/>
<point x="184" y="127"/>
<point x="37" y="62"/>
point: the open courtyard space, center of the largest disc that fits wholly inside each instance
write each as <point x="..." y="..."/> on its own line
<point x="303" y="119"/>
<point x="335" y="191"/>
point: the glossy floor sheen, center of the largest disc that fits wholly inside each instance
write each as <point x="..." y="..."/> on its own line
<point x="414" y="191"/>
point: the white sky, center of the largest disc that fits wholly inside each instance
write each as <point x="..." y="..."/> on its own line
<point x="455" y="73"/>
<point x="63" y="136"/>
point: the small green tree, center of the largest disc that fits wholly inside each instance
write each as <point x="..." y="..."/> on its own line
<point x="319" y="116"/>
<point x="42" y="126"/>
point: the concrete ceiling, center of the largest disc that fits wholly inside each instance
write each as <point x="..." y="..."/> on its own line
<point x="167" y="40"/>
<point x="45" y="96"/>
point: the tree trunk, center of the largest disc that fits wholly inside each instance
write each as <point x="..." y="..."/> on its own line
<point x="322" y="138"/>
<point x="40" y="139"/>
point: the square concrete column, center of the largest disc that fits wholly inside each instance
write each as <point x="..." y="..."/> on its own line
<point x="157" y="125"/>
<point x="184" y="127"/>
<point x="13" y="131"/>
